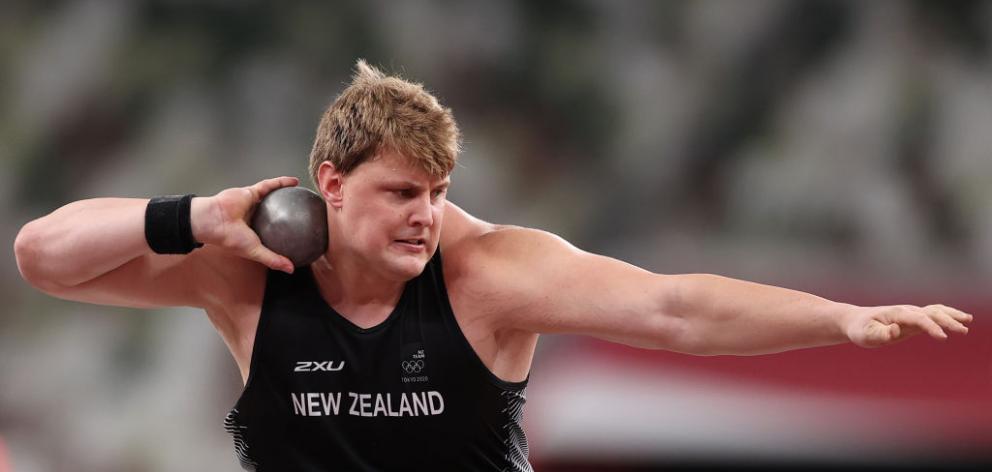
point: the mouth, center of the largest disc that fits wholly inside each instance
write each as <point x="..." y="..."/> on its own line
<point x="414" y="245"/>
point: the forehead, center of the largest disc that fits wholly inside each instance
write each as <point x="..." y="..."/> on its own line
<point x="391" y="165"/>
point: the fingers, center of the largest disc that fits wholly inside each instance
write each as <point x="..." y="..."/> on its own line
<point x="914" y="316"/>
<point x="270" y="259"/>
<point x="956" y="314"/>
<point x="261" y="189"/>
<point x="949" y="318"/>
<point x="889" y="324"/>
<point x="935" y="320"/>
<point x="894" y="331"/>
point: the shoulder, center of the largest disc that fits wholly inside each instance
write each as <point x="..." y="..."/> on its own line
<point x="494" y="263"/>
<point x="468" y="241"/>
<point x="462" y="231"/>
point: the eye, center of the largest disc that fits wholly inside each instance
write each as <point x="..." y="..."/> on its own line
<point x="437" y="193"/>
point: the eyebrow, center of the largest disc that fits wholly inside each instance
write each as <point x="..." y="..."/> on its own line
<point x="412" y="184"/>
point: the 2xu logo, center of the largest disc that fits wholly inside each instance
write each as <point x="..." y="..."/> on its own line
<point x="318" y="366"/>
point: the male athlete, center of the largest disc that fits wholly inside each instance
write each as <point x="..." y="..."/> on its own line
<point x="408" y="344"/>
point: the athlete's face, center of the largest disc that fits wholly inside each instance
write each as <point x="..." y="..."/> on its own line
<point x="387" y="213"/>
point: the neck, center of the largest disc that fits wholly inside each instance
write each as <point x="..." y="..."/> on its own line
<point x="362" y="296"/>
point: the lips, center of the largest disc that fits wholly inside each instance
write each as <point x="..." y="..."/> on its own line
<point x="411" y="245"/>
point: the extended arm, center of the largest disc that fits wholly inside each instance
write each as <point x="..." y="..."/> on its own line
<point x="538" y="282"/>
<point x="731" y="316"/>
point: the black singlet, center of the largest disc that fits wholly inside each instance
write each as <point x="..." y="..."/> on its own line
<point x="408" y="394"/>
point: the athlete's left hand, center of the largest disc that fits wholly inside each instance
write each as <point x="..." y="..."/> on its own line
<point x="881" y="325"/>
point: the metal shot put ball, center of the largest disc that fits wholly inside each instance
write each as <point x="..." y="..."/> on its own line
<point x="292" y="221"/>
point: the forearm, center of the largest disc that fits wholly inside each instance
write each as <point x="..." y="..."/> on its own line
<point x="729" y="316"/>
<point x="82" y="240"/>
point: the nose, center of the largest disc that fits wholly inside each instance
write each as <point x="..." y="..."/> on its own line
<point x="422" y="212"/>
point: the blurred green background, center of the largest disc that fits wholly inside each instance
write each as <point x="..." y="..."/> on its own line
<point x="833" y="146"/>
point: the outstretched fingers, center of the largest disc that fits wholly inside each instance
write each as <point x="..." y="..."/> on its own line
<point x="949" y="318"/>
<point x="935" y="320"/>
<point x="916" y="318"/>
<point x="957" y="314"/>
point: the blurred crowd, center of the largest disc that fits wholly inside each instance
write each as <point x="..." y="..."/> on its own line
<point x="815" y="144"/>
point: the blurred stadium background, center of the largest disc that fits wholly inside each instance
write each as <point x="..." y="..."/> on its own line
<point x="838" y="147"/>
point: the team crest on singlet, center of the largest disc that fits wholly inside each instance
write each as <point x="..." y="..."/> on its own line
<point x="413" y="363"/>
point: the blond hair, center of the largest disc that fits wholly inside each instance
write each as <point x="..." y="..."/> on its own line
<point x="377" y="110"/>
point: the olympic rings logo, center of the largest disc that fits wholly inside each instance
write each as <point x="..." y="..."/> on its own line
<point x="412" y="367"/>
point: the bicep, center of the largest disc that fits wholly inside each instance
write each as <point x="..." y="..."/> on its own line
<point x="546" y="285"/>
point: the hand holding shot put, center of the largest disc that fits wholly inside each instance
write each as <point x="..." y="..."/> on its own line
<point x="223" y="220"/>
<point x="415" y="332"/>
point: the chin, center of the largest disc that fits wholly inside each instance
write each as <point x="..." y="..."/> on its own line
<point x="408" y="267"/>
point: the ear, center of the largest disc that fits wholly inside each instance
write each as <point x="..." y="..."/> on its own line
<point x="330" y="182"/>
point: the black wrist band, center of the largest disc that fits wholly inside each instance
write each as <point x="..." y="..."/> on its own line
<point x="167" y="225"/>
